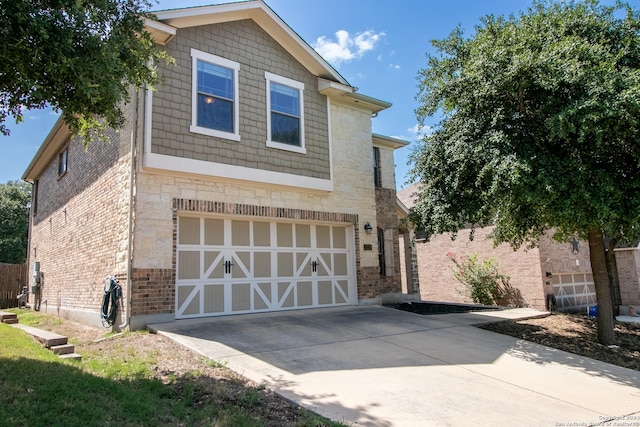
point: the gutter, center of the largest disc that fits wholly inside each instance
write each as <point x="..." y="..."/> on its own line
<point x="132" y="171"/>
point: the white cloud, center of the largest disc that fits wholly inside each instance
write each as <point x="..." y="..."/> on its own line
<point x="394" y="66"/>
<point x="346" y="48"/>
<point x="418" y="131"/>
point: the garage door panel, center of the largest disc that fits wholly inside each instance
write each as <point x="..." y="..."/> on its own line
<point x="303" y="236"/>
<point x="285" y="264"/>
<point x="214" y="269"/>
<point x="285" y="235"/>
<point x="188" y="265"/>
<point x="241" y="297"/>
<point x="261" y="234"/>
<point x="213" y="299"/>
<point x="262" y="264"/>
<point x="262" y="296"/>
<point x="325" y="265"/>
<point x="191" y="301"/>
<point x="303" y="264"/>
<point x="286" y="294"/>
<point x="340" y="264"/>
<point x="189" y="231"/>
<point x="241" y="265"/>
<point x="231" y="265"/>
<point x="341" y="292"/>
<point x="323" y="236"/>
<point x="240" y="233"/>
<point x="305" y="294"/>
<point x="213" y="231"/>
<point x="339" y="238"/>
<point x="325" y="292"/>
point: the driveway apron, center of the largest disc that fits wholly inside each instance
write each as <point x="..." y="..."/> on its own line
<point x="377" y="366"/>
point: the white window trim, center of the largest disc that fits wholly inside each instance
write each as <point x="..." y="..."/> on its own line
<point x="270" y="77"/>
<point x="197" y="55"/>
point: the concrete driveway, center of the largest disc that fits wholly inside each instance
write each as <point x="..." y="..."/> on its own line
<point x="383" y="367"/>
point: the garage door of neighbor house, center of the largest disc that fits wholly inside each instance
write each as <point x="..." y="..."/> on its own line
<point x="232" y="266"/>
<point x="574" y="291"/>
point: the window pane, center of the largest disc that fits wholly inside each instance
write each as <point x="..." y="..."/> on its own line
<point x="285" y="99"/>
<point x="215" y="80"/>
<point x="285" y="129"/>
<point x="215" y="113"/>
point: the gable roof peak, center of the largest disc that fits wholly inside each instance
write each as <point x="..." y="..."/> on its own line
<point x="266" y="18"/>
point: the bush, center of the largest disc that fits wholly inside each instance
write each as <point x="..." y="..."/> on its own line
<point x="481" y="279"/>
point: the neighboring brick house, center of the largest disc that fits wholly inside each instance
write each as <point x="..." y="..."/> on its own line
<point x="563" y="269"/>
<point x="243" y="184"/>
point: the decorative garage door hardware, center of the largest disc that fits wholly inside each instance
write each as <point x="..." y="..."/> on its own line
<point x="231" y="265"/>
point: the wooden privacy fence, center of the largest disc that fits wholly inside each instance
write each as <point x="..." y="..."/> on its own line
<point x="12" y="278"/>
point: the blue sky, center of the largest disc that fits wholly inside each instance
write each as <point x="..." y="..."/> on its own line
<point x="378" y="46"/>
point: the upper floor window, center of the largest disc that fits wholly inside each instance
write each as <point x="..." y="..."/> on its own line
<point x="377" y="175"/>
<point x="285" y="113"/>
<point x="63" y="158"/>
<point x="214" y="106"/>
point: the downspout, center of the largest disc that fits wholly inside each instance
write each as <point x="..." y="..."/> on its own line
<point x="132" y="171"/>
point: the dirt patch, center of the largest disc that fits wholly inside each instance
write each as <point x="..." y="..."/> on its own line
<point x="182" y="369"/>
<point x="577" y="334"/>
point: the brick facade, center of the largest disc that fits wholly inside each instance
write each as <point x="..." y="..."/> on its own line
<point x="387" y="220"/>
<point x="437" y="282"/>
<point x="628" y="261"/>
<point x="532" y="272"/>
<point x="153" y="291"/>
<point x="79" y="228"/>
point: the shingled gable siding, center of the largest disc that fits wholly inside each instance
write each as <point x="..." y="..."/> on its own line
<point x="79" y="233"/>
<point x="246" y="43"/>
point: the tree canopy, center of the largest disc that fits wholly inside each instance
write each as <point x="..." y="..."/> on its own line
<point x="540" y="128"/>
<point x="15" y="201"/>
<point x="77" y="56"/>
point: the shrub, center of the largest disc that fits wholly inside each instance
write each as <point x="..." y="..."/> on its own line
<point x="481" y="279"/>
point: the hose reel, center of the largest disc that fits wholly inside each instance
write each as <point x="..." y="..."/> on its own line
<point x="110" y="300"/>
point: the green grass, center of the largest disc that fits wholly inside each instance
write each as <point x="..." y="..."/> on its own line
<point x="37" y="388"/>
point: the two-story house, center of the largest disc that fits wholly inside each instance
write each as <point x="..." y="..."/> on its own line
<point x="248" y="181"/>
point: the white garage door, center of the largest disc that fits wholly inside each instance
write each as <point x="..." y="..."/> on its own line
<point x="574" y="291"/>
<point x="232" y="266"/>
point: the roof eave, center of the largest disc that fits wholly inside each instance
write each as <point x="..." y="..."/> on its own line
<point x="266" y="18"/>
<point x="57" y="137"/>
<point x="389" y="141"/>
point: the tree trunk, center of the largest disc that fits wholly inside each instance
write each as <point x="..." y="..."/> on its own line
<point x="597" y="255"/>
<point x="614" y="281"/>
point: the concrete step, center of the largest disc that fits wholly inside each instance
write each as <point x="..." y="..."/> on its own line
<point x="9" y="318"/>
<point x="73" y="356"/>
<point x="63" y="349"/>
<point x="46" y="338"/>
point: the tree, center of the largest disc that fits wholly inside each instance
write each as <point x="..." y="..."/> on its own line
<point x="15" y="202"/>
<point x="77" y="56"/>
<point x="539" y="131"/>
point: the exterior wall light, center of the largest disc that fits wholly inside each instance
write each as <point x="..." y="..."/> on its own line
<point x="367" y="228"/>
